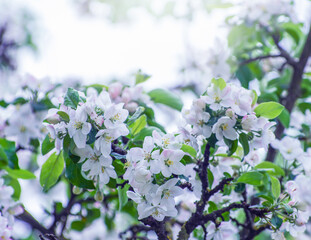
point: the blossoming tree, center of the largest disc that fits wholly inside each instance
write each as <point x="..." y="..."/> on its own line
<point x="238" y="167"/>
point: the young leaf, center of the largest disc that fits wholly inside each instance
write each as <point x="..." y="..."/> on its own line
<point x="244" y="141"/>
<point x="166" y="97"/>
<point x="47" y="145"/>
<point x="123" y="199"/>
<point x="269" y="110"/>
<point x="273" y="169"/>
<point x="252" y="178"/>
<point x="219" y="82"/>
<point x="275" y="187"/>
<point x="141" y="77"/>
<point x="51" y="170"/>
<point x="20" y="173"/>
<point x="138" y="125"/>
<point x="190" y="150"/>
<point x="72" y="98"/>
<point x="284" y="118"/>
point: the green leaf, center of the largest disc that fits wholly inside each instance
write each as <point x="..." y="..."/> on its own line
<point x="269" y="110"/>
<point x="47" y="145"/>
<point x="138" y="125"/>
<point x="99" y="87"/>
<point x="73" y="173"/>
<point x="210" y="178"/>
<point x="3" y="157"/>
<point x="189" y="149"/>
<point x="244" y="141"/>
<point x="293" y="30"/>
<point x="275" y="187"/>
<point x="255" y="97"/>
<point x="244" y="75"/>
<point x="166" y="97"/>
<point x="13" y="182"/>
<point x="51" y="170"/>
<point x="272" y="169"/>
<point x="123" y="199"/>
<point x="284" y="118"/>
<point x="141" y="77"/>
<point x="20" y="173"/>
<point x="78" y="225"/>
<point x="72" y="98"/>
<point x="252" y="178"/>
<point x="276" y="221"/>
<point x="64" y="116"/>
<point x="219" y="82"/>
<point x="136" y="115"/>
<point x="232" y="145"/>
<point x="10" y="153"/>
<point x="212" y="207"/>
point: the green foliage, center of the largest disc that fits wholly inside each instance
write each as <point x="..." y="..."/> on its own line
<point x="275" y="187"/>
<point x="8" y="154"/>
<point x="271" y="168"/>
<point x="141" y="77"/>
<point x="190" y="150"/>
<point x="72" y="98"/>
<point x="47" y="145"/>
<point x="252" y="178"/>
<point x="166" y="97"/>
<point x="219" y="82"/>
<point x="51" y="170"/>
<point x="20" y="173"/>
<point x="284" y="118"/>
<point x="138" y="125"/>
<point x="269" y="110"/>
<point x="243" y="139"/>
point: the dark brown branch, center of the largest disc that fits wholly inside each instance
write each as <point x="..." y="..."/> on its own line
<point x="28" y="218"/>
<point x="291" y="61"/>
<point x="247" y="61"/>
<point x="158" y="227"/>
<point x="134" y="230"/>
<point x="294" y="89"/>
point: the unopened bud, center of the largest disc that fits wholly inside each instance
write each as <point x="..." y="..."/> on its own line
<point x="99" y="196"/>
<point x="76" y="190"/>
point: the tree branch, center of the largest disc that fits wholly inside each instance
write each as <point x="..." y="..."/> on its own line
<point x="294" y="89"/>
<point x="28" y="218"/>
<point x="260" y="58"/>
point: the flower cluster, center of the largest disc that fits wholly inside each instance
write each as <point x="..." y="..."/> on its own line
<point x="226" y="111"/>
<point x="151" y="171"/>
<point x="93" y="122"/>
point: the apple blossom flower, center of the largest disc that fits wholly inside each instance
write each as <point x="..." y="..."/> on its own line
<point x="167" y="141"/>
<point x="106" y="136"/>
<point x="168" y="191"/>
<point x="23" y="131"/>
<point x="217" y="98"/>
<point x="170" y="162"/>
<point x="78" y="127"/>
<point x="289" y="147"/>
<point x="224" y="127"/>
<point x="115" y="115"/>
<point x="98" y="167"/>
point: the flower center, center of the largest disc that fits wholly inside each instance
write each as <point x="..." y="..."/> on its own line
<point x="78" y="125"/>
<point x="168" y="162"/>
<point x="166" y="141"/>
<point x="116" y="117"/>
<point x="224" y="126"/>
<point x="23" y="129"/>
